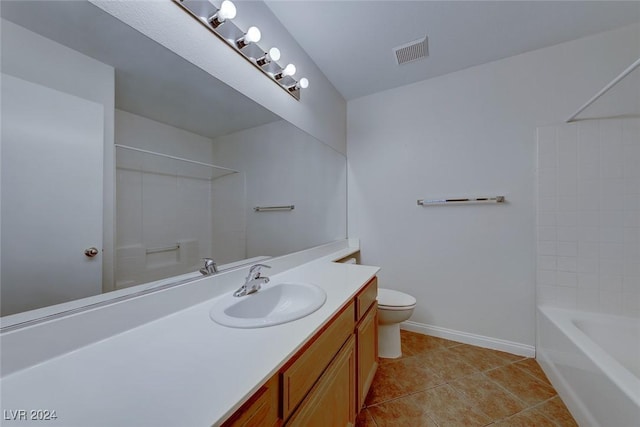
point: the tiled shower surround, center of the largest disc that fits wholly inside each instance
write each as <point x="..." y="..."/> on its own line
<point x="588" y="216"/>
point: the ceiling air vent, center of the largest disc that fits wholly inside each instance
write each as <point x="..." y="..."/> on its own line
<point x="412" y="51"/>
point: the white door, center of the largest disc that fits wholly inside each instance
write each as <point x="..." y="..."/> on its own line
<point x="52" y="173"/>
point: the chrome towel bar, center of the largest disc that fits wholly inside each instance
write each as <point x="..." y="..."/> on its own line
<point x="496" y="199"/>
<point x="274" y="208"/>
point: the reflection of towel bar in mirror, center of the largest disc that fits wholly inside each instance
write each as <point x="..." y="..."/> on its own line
<point x="163" y="249"/>
<point x="496" y="199"/>
<point x="274" y="208"/>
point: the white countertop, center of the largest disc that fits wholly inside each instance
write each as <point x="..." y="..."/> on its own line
<point x="180" y="370"/>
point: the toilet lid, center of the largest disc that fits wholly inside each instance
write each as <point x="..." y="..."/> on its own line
<point x="391" y="298"/>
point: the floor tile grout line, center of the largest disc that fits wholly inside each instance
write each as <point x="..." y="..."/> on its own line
<point x="405" y="395"/>
<point x="509" y="392"/>
<point x="473" y="405"/>
<point x="372" y="418"/>
<point x="530" y="374"/>
<point x="535" y="378"/>
<point x="542" y="412"/>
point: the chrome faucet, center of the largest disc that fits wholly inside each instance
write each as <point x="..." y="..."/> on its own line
<point x="253" y="282"/>
<point x="210" y="267"/>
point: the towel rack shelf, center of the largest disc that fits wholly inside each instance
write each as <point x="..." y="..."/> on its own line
<point x="458" y="201"/>
<point x="274" y="208"/>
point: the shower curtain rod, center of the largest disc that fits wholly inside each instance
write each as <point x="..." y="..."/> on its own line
<point x="604" y="90"/>
<point x="153" y="153"/>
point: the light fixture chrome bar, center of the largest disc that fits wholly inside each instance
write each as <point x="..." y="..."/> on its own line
<point x="163" y="249"/>
<point x="274" y="208"/>
<point x="496" y="199"/>
<point x="235" y="38"/>
<point x="605" y="89"/>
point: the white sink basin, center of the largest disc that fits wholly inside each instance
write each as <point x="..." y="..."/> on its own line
<point x="271" y="305"/>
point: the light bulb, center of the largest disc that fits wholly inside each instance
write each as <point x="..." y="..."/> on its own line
<point x="253" y="35"/>
<point x="304" y="83"/>
<point x="227" y="10"/>
<point x="274" y="54"/>
<point x="289" y="70"/>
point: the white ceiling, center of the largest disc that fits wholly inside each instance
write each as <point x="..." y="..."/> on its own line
<point x="352" y="41"/>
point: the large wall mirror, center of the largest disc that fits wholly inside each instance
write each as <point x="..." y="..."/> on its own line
<point x="123" y="164"/>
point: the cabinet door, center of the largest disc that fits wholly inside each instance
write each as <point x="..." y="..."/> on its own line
<point x="301" y="374"/>
<point x="367" y="349"/>
<point x="261" y="410"/>
<point x="332" y="401"/>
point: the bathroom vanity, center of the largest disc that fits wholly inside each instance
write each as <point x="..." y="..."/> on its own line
<point x="160" y="360"/>
<point x="324" y="383"/>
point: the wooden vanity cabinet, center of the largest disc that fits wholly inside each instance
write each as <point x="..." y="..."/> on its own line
<point x="326" y="382"/>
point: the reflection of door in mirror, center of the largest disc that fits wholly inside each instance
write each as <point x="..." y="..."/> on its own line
<point x="57" y="119"/>
<point x="52" y="146"/>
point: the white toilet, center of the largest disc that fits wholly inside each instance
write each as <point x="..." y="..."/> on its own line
<point x="393" y="307"/>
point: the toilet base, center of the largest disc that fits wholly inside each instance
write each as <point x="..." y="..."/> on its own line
<point x="389" y="346"/>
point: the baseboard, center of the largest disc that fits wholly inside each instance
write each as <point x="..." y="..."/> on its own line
<point x="473" y="339"/>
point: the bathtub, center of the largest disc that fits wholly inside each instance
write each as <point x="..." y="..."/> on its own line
<point x="593" y="361"/>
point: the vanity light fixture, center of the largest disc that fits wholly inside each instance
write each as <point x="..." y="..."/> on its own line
<point x="218" y="20"/>
<point x="272" y="55"/>
<point x="227" y="11"/>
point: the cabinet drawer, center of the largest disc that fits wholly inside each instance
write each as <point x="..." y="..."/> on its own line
<point x="302" y="373"/>
<point x="366" y="297"/>
<point x="332" y="400"/>
<point x="260" y="410"/>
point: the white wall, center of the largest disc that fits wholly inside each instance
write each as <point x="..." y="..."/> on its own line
<point x="588" y="221"/>
<point x="471" y="268"/>
<point x="37" y="59"/>
<point x="321" y="111"/>
<point x="285" y="166"/>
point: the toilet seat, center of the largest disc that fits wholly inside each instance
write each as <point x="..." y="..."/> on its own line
<point x="394" y="300"/>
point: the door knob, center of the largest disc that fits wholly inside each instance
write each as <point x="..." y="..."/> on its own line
<point x="91" y="252"/>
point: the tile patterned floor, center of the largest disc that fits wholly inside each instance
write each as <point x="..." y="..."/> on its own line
<point x="439" y="383"/>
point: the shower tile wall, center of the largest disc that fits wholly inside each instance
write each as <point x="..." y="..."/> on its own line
<point x="588" y="216"/>
<point x="160" y="202"/>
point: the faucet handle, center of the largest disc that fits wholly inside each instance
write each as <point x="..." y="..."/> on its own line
<point x="208" y="262"/>
<point x="254" y="271"/>
<point x="210" y="266"/>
